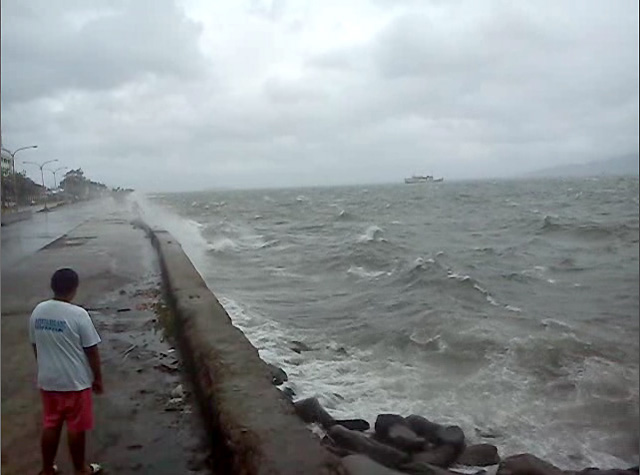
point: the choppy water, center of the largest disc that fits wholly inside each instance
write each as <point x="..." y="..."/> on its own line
<point x="505" y="307"/>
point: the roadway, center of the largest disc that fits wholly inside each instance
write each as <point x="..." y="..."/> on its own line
<point x="24" y="238"/>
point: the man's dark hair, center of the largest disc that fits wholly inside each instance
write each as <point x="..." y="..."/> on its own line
<point x="64" y="281"/>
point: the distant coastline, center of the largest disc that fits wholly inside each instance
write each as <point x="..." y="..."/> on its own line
<point x="625" y="165"/>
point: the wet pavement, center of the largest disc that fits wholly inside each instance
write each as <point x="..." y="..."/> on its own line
<point x="24" y="238"/>
<point x="145" y="421"/>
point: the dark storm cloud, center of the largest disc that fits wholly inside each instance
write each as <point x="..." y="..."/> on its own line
<point x="49" y="47"/>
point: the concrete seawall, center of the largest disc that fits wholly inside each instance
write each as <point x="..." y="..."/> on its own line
<point x="252" y="426"/>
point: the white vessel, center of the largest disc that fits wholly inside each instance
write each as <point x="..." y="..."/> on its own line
<point x="422" y="179"/>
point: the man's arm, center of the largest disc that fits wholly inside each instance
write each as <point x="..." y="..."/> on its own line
<point x="93" y="355"/>
<point x="89" y="340"/>
<point x="32" y="336"/>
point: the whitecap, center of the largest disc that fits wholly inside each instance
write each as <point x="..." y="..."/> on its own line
<point x="373" y="233"/>
<point x="535" y="272"/>
<point x="365" y="273"/>
<point x="435" y="343"/>
<point x="195" y="224"/>
<point x="482" y="290"/>
<point x="550" y="322"/>
<point x="266" y="244"/>
<point x="222" y="245"/>
<point x="282" y="272"/>
<point x="458" y="277"/>
<point x="421" y="263"/>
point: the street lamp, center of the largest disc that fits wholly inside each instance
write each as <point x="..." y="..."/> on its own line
<point x="55" y="182"/>
<point x="13" y="166"/>
<point x="41" y="166"/>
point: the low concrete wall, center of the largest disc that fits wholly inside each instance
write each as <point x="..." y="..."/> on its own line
<point x="253" y="427"/>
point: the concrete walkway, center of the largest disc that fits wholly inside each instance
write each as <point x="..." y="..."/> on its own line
<point x="136" y="431"/>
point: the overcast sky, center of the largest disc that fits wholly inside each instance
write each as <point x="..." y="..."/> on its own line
<point x="195" y="94"/>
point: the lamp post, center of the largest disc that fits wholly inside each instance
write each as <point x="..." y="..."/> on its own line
<point x="13" y="166"/>
<point x="55" y="182"/>
<point x="41" y="167"/>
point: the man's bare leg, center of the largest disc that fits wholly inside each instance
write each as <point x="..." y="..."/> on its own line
<point x="77" y="442"/>
<point x="49" y="444"/>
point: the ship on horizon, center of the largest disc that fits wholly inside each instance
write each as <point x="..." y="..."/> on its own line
<point x="422" y="179"/>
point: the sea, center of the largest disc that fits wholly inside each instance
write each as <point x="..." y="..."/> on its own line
<point x="509" y="308"/>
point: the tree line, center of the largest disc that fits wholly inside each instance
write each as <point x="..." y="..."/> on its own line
<point x="75" y="186"/>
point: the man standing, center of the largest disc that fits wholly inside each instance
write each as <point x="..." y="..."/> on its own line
<point x="65" y="343"/>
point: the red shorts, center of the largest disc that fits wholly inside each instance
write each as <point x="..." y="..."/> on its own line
<point x="74" y="407"/>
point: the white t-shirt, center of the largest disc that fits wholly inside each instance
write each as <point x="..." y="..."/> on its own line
<point x="61" y="331"/>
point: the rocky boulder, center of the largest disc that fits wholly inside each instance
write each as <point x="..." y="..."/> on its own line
<point x="278" y="375"/>
<point x="360" y="465"/>
<point x="394" y="430"/>
<point x="385" y="421"/>
<point x="479" y="455"/>
<point x="451" y="435"/>
<point x="289" y="393"/>
<point x="419" y="468"/>
<point x="423" y="427"/>
<point x="361" y="444"/>
<point x="299" y="346"/>
<point x="441" y="456"/>
<point x="310" y="411"/>
<point x="527" y="464"/>
<point x="354" y="424"/>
